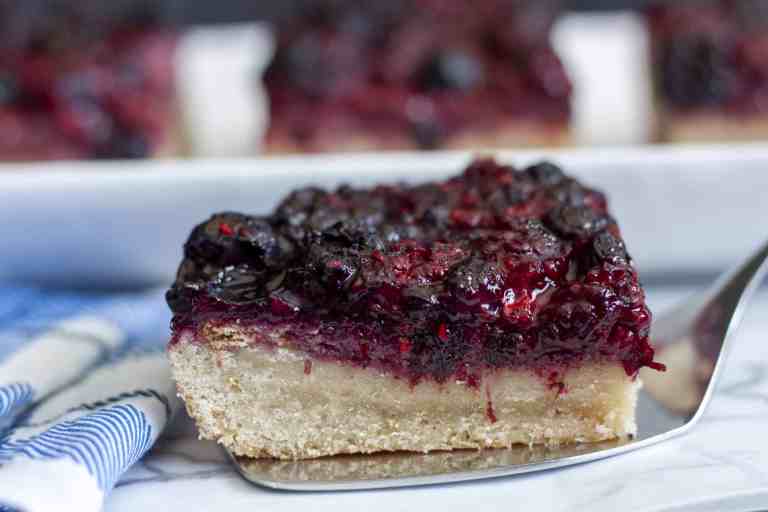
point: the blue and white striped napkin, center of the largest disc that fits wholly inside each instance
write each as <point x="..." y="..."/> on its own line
<point x="85" y="391"/>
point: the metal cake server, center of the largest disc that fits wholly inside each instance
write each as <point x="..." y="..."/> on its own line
<point x="692" y="340"/>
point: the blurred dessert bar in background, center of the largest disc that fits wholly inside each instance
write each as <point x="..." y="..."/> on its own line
<point x="417" y="74"/>
<point x="710" y="62"/>
<point x="86" y="79"/>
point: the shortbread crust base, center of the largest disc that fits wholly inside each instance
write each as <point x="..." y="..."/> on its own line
<point x="261" y="401"/>
<point x="511" y="135"/>
<point x="711" y="128"/>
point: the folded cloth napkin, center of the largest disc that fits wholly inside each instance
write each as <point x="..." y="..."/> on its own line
<point x="85" y="391"/>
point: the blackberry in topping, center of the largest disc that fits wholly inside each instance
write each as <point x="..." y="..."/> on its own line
<point x="696" y="71"/>
<point x="428" y="134"/>
<point x="545" y="173"/>
<point x="258" y="241"/>
<point x="334" y="267"/>
<point x="610" y="248"/>
<point x="451" y="69"/>
<point x="577" y="221"/>
<point x="434" y="356"/>
<point x="238" y="285"/>
<point x="8" y="88"/>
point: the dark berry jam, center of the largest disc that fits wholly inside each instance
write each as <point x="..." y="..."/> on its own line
<point x="497" y="268"/>
<point x="82" y="80"/>
<point x="712" y="55"/>
<point x="422" y="70"/>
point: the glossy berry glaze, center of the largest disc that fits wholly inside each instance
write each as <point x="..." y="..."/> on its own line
<point x="496" y="268"/>
<point x="414" y="72"/>
<point x="74" y="86"/>
<point x="712" y="55"/>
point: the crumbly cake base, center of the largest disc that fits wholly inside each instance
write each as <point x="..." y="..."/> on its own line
<point x="711" y="128"/>
<point x="511" y="135"/>
<point x="174" y="143"/>
<point x="270" y="402"/>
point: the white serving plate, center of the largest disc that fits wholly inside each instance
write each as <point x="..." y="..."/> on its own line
<point x="685" y="210"/>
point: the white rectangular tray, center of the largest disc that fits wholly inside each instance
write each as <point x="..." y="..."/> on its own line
<point x="683" y="210"/>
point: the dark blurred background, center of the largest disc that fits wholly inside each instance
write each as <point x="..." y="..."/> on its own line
<point x="205" y="11"/>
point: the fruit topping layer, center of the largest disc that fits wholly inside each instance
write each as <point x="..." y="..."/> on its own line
<point x="84" y="80"/>
<point x="500" y="267"/>
<point x="423" y="69"/>
<point x="712" y="55"/>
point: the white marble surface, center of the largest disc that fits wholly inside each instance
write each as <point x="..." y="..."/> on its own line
<point x="721" y="465"/>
